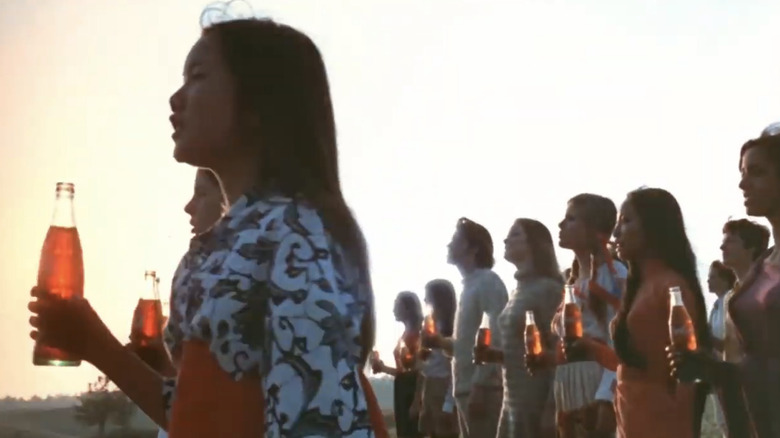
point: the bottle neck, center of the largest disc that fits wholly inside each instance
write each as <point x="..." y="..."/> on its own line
<point x="676" y="298"/>
<point x="63" y="215"/>
<point x="569" y="295"/>
<point x="151" y="290"/>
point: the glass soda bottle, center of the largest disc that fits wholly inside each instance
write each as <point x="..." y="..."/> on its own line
<point x="483" y="341"/>
<point x="572" y="315"/>
<point x="60" y="269"/>
<point x="572" y="323"/>
<point x="681" y="332"/>
<point x="148" y="316"/>
<point x="533" y="338"/>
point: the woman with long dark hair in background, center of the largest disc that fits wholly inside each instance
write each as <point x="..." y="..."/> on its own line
<point x="650" y="235"/>
<point x="406" y="373"/>
<point x="434" y="399"/>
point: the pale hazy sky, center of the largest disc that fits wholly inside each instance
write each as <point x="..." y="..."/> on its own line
<point x="486" y="109"/>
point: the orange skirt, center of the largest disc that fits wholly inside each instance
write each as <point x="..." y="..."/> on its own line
<point x="199" y="409"/>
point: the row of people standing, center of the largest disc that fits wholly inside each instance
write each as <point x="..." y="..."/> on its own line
<point x="616" y="378"/>
<point x="237" y="298"/>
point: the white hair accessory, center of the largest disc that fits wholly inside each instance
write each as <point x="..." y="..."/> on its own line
<point x="220" y="12"/>
<point x="771" y="130"/>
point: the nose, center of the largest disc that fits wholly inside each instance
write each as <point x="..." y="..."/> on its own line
<point x="189" y="208"/>
<point x="560" y="224"/>
<point x="743" y="183"/>
<point x="616" y="233"/>
<point x="176" y="101"/>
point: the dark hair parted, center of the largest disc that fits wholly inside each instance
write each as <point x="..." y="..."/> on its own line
<point x="286" y="113"/>
<point x="754" y="236"/>
<point x="478" y="238"/>
<point x="599" y="214"/>
<point x="441" y="296"/>
<point x="541" y="248"/>
<point x="724" y="272"/>
<point x="663" y="226"/>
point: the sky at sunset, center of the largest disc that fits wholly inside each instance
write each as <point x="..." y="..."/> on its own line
<point x="445" y="108"/>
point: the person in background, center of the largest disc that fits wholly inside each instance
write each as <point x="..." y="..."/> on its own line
<point x="255" y="107"/>
<point x="438" y="415"/>
<point x="528" y="410"/>
<point x="206" y="206"/>
<point x="583" y="386"/>
<point x="720" y="281"/>
<point x="744" y="241"/>
<point x="650" y="236"/>
<point x="208" y="203"/>
<point x="477" y="389"/>
<point x="750" y="388"/>
<point x="406" y="373"/>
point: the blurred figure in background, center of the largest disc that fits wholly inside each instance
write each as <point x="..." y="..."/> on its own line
<point x="406" y="373"/>
<point x="477" y="388"/>
<point x="744" y="241"/>
<point x="720" y="281"/>
<point x="438" y="414"/>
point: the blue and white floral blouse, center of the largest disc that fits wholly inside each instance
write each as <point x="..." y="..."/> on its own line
<point x="272" y="294"/>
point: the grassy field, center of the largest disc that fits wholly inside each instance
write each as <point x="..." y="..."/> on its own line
<point x="59" y="423"/>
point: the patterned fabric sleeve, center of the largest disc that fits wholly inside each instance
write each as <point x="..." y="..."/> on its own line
<point x="311" y="385"/>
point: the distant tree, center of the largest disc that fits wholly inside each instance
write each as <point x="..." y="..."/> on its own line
<point x="100" y="404"/>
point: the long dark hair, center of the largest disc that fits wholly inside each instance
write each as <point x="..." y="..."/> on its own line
<point x="441" y="296"/>
<point x="661" y="219"/>
<point x="541" y="248"/>
<point x="662" y="223"/>
<point x="283" y="96"/>
<point x="599" y="214"/>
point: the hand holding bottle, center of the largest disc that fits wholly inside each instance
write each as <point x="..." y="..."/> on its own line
<point x="71" y="325"/>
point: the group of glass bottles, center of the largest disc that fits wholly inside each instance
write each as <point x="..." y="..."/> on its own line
<point x="61" y="276"/>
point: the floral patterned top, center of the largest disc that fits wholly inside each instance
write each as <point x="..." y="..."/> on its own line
<point x="272" y="294"/>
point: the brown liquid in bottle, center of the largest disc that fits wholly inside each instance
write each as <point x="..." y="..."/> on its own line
<point x="148" y="321"/>
<point x="681" y="332"/>
<point x="533" y="339"/>
<point x="60" y="270"/>
<point x="572" y="316"/>
<point x="483" y="341"/>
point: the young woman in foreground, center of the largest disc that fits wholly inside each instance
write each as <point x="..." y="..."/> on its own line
<point x="272" y="309"/>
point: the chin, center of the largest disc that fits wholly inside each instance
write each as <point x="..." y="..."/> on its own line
<point x="191" y="154"/>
